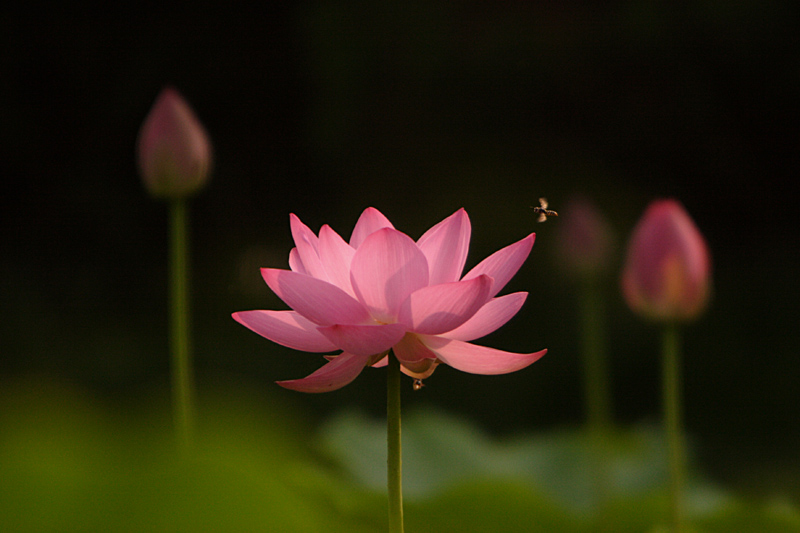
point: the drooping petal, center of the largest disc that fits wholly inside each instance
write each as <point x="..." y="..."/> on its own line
<point x="413" y="354"/>
<point x="368" y="339"/>
<point x="334" y="375"/>
<point x="371" y="361"/>
<point x="423" y="374"/>
<point x="439" y="308"/>
<point x="336" y="255"/>
<point x="307" y="246"/>
<point x="319" y="301"/>
<point x="423" y="370"/>
<point x="386" y="268"/>
<point x="494" y="314"/>
<point x="286" y="328"/>
<point x="370" y="221"/>
<point x="479" y="359"/>
<point x="504" y="263"/>
<point x="445" y="246"/>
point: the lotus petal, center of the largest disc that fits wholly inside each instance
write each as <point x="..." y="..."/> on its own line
<point x="386" y="268"/>
<point x="295" y="263"/>
<point x="319" y="301"/>
<point x="411" y="352"/>
<point x="334" y="375"/>
<point x="445" y="246"/>
<point x="336" y="255"/>
<point x="504" y="263"/>
<point x="476" y="359"/>
<point x="493" y="315"/>
<point x="368" y="339"/>
<point x="286" y="328"/>
<point x="440" y="308"/>
<point x="370" y="221"/>
<point x="307" y="246"/>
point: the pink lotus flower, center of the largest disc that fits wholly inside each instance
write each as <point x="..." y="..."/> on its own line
<point x="668" y="266"/>
<point x="174" y="152"/>
<point x="382" y="291"/>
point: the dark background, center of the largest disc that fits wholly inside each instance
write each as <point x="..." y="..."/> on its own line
<point x="323" y="109"/>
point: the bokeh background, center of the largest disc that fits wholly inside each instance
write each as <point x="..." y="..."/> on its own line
<point x="325" y="108"/>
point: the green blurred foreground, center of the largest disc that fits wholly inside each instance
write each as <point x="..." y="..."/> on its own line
<point x="68" y="462"/>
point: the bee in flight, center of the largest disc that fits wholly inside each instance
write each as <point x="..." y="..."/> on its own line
<point x="418" y="384"/>
<point x="543" y="211"/>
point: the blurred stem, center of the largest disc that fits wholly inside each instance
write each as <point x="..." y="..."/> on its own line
<point x="597" y="397"/>
<point x="672" y="415"/>
<point x="596" y="393"/>
<point x="182" y="382"/>
<point x="395" y="461"/>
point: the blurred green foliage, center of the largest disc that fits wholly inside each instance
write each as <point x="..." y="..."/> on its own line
<point x="70" y="462"/>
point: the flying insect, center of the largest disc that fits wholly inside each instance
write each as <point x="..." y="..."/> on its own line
<point x="542" y="210"/>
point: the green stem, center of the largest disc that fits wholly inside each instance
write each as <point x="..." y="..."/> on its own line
<point x="596" y="393"/>
<point x="672" y="415"/>
<point x="597" y="397"/>
<point x="395" y="461"/>
<point x="182" y="381"/>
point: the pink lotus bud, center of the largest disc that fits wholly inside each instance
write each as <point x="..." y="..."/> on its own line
<point x="174" y="152"/>
<point x="586" y="241"/>
<point x="668" y="266"/>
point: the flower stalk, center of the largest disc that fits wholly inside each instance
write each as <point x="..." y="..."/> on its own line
<point x="667" y="279"/>
<point x="596" y="391"/>
<point x="394" y="447"/>
<point x="672" y="415"/>
<point x="174" y="158"/>
<point x="182" y="381"/>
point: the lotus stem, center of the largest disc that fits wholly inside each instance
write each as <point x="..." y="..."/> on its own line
<point x="672" y="417"/>
<point x="181" y="362"/>
<point x="395" y="461"/>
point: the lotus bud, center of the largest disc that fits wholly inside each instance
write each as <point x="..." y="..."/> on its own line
<point x="668" y="266"/>
<point x="174" y="152"/>
<point x="586" y="241"/>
